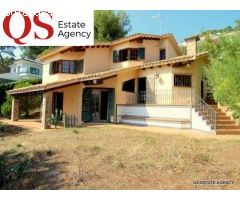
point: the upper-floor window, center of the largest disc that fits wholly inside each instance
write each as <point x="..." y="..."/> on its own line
<point x="67" y="66"/>
<point x="129" y="54"/>
<point x="182" y="80"/>
<point x="162" y="54"/>
<point x="24" y="69"/>
<point x="34" y="71"/>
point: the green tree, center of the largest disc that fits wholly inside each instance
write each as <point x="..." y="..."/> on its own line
<point x="27" y="103"/>
<point x="32" y="52"/>
<point x="110" y="25"/>
<point x="7" y="107"/>
<point x="237" y="27"/>
<point x="223" y="71"/>
<point x="6" y="57"/>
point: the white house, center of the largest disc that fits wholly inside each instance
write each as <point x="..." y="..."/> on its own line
<point x="23" y="69"/>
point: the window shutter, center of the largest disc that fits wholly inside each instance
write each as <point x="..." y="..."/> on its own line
<point x="51" y="68"/>
<point x="78" y="66"/>
<point x="141" y="53"/>
<point x="115" y="56"/>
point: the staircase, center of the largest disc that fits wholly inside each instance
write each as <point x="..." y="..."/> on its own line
<point x="224" y="124"/>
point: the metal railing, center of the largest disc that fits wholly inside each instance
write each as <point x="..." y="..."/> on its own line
<point x="70" y="121"/>
<point x="206" y="111"/>
<point x="162" y="97"/>
<point x="176" y="97"/>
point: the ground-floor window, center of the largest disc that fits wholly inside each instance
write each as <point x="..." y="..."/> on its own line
<point x="181" y="80"/>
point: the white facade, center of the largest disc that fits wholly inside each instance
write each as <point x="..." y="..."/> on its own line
<point x="171" y="116"/>
<point x="23" y="69"/>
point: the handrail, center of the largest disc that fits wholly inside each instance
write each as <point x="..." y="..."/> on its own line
<point x="206" y="111"/>
<point x="176" y="97"/>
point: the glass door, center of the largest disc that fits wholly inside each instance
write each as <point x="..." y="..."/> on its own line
<point x="96" y="94"/>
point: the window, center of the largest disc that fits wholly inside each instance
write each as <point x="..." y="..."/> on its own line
<point x="24" y="69"/>
<point x="34" y="71"/>
<point x="115" y="56"/>
<point x="182" y="80"/>
<point x="162" y="54"/>
<point x="79" y="65"/>
<point x="123" y="55"/>
<point x="141" y="53"/>
<point x="66" y="66"/>
<point x="133" y="54"/>
<point x="129" y="54"/>
<point x="129" y="86"/>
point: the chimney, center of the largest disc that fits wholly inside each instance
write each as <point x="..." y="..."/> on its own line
<point x="191" y="43"/>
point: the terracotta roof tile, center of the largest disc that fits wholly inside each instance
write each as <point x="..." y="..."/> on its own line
<point x="49" y="86"/>
<point x="117" y="41"/>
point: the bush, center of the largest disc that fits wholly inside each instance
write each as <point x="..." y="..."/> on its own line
<point x="55" y="119"/>
<point x="26" y="103"/>
<point x="223" y="70"/>
<point x="2" y="127"/>
<point x="7" y="107"/>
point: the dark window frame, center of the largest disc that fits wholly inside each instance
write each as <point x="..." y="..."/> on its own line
<point x="162" y="56"/>
<point x="128" y="54"/>
<point x="34" y="69"/>
<point x="183" y="80"/>
<point x="67" y="67"/>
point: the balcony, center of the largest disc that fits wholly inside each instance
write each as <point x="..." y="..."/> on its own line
<point x="163" y="97"/>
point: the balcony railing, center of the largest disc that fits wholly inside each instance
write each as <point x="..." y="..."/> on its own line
<point x="176" y="97"/>
<point x="162" y="97"/>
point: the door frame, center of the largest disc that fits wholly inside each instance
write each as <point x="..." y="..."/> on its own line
<point x="101" y="89"/>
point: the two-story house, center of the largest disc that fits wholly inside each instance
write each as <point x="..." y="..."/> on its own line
<point x="140" y="79"/>
<point x="23" y="69"/>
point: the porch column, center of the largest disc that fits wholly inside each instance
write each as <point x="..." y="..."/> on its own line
<point x="15" y="109"/>
<point x="46" y="109"/>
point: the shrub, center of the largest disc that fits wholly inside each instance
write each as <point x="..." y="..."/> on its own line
<point x="223" y="70"/>
<point x="26" y="103"/>
<point x="2" y="127"/>
<point x="55" y="119"/>
<point x="6" y="107"/>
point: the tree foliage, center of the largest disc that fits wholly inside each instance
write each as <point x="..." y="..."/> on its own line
<point x="223" y="71"/>
<point x="224" y="30"/>
<point x="110" y="25"/>
<point x="6" y="57"/>
<point x="26" y="103"/>
<point x="32" y="52"/>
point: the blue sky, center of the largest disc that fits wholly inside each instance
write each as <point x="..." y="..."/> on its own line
<point x="181" y="23"/>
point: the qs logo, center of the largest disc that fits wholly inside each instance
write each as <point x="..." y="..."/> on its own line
<point x="26" y="29"/>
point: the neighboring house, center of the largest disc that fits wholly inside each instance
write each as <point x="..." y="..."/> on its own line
<point x="140" y="79"/>
<point x="23" y="69"/>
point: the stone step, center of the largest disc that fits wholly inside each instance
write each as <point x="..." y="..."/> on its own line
<point x="217" y="110"/>
<point x="227" y="126"/>
<point x="225" y="122"/>
<point x="223" y="118"/>
<point x="228" y="132"/>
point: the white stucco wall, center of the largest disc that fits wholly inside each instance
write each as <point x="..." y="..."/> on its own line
<point x="167" y="116"/>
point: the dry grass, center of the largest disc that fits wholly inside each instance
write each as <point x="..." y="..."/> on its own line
<point x="112" y="157"/>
